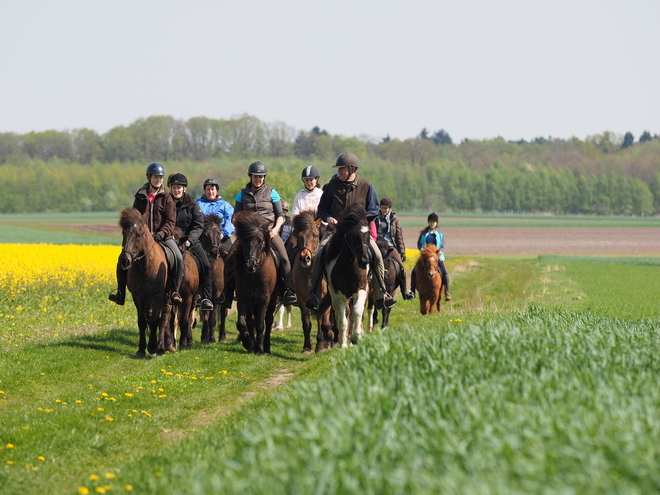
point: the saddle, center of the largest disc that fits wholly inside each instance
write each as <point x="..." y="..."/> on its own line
<point x="171" y="258"/>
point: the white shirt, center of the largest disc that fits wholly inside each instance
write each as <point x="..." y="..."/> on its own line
<point x="306" y="200"/>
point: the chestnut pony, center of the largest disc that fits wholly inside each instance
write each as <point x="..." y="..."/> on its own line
<point x="429" y="280"/>
<point x="255" y="276"/>
<point x="147" y="280"/>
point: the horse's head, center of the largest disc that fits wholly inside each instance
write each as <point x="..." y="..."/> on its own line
<point x="430" y="257"/>
<point x="253" y="236"/>
<point x="212" y="235"/>
<point x="306" y="232"/>
<point x="137" y="239"/>
<point x="353" y="227"/>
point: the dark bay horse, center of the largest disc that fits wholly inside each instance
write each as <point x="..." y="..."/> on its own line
<point x="256" y="281"/>
<point x="183" y="314"/>
<point x="429" y="280"/>
<point x="391" y="281"/>
<point x="307" y="232"/>
<point x="346" y="261"/>
<point x="147" y="280"/>
<point x="211" y="240"/>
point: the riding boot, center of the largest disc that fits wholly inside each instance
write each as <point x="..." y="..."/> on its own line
<point x="413" y="280"/>
<point x="178" y="276"/>
<point x="445" y="280"/>
<point x="289" y="295"/>
<point x="407" y="294"/>
<point x="381" y="295"/>
<point x="119" y="295"/>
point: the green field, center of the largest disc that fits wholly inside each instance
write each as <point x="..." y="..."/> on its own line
<point x="540" y="377"/>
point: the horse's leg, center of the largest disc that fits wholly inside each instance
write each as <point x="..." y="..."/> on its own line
<point x="267" y="326"/>
<point x="289" y="309"/>
<point x="386" y="318"/>
<point x="307" y="329"/>
<point x="359" y="303"/>
<point x="242" y="327"/>
<point x="280" y="317"/>
<point x="339" y="307"/>
<point x="153" y="320"/>
<point x="207" y="318"/>
<point x="222" y="330"/>
<point x="142" y="326"/>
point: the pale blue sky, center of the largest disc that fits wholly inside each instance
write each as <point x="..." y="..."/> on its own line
<point x="477" y="68"/>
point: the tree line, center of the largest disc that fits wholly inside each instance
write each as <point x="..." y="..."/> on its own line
<point x="81" y="170"/>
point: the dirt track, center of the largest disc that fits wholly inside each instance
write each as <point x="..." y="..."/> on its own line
<point x="516" y="240"/>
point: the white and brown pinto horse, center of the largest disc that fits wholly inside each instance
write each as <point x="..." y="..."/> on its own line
<point x="346" y="261"/>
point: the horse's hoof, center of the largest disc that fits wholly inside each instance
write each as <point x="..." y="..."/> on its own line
<point x="307" y="352"/>
<point x="141" y="354"/>
<point x="172" y="348"/>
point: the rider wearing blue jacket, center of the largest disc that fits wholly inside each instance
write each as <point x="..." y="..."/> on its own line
<point x="431" y="235"/>
<point x="211" y="202"/>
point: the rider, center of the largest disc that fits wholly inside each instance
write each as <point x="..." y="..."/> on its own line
<point x="258" y="197"/>
<point x="191" y="222"/>
<point x="308" y="198"/>
<point x="211" y="202"/>
<point x="347" y="187"/>
<point x="287" y="227"/>
<point x="431" y="235"/>
<point x="153" y="197"/>
<point x="389" y="229"/>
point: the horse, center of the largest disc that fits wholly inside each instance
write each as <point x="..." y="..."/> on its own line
<point x="183" y="314"/>
<point x="281" y="309"/>
<point x="346" y="261"/>
<point x="147" y="280"/>
<point x="391" y="282"/>
<point x="429" y="280"/>
<point x="211" y="240"/>
<point x="255" y="274"/>
<point x="307" y="231"/>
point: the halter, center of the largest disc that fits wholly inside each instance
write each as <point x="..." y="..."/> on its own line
<point x="353" y="249"/>
<point x="134" y="256"/>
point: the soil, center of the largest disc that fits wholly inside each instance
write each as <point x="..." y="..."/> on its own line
<point x="513" y="240"/>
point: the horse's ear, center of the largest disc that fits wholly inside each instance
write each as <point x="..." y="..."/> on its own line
<point x="145" y="216"/>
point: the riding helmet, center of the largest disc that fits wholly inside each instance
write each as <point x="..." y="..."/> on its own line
<point x="285" y="205"/>
<point x="211" y="182"/>
<point x="177" y="179"/>
<point x="432" y="218"/>
<point x="155" y="168"/>
<point x="257" y="168"/>
<point x="311" y="172"/>
<point x="386" y="202"/>
<point x="347" y="160"/>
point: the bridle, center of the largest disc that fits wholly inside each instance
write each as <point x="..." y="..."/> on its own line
<point x="136" y="256"/>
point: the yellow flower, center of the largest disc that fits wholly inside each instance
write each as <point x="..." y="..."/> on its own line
<point x="83" y="490"/>
<point x="110" y="475"/>
<point x="128" y="395"/>
<point x="128" y="488"/>
<point x="41" y="458"/>
<point x="9" y="446"/>
<point x="108" y="418"/>
<point x="93" y="477"/>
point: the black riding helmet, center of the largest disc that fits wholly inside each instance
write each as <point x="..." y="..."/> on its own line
<point x="177" y="179"/>
<point x="347" y="160"/>
<point x="155" y="168"/>
<point x="211" y="182"/>
<point x="257" y="168"/>
<point x="311" y="172"/>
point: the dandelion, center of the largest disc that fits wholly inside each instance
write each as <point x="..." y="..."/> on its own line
<point x="93" y="477"/>
<point x="10" y="462"/>
<point x="100" y="409"/>
<point x="41" y="458"/>
<point x="108" y="418"/>
<point x="9" y="446"/>
<point x="128" y="395"/>
<point x="99" y="489"/>
<point x="128" y="488"/>
<point x="110" y="475"/>
<point x="83" y="490"/>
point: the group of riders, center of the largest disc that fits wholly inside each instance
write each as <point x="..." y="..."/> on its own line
<point x="177" y="208"/>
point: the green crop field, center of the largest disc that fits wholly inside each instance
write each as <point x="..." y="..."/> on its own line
<point x="540" y="376"/>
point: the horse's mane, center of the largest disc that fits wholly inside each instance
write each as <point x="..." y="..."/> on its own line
<point x="304" y="221"/>
<point x="429" y="251"/>
<point x="128" y="217"/>
<point x="213" y="219"/>
<point x="352" y="218"/>
<point x="249" y="225"/>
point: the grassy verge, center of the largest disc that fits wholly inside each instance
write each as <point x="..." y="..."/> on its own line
<point x="534" y="379"/>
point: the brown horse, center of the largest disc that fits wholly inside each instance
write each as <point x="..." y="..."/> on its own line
<point x="211" y="240"/>
<point x="346" y="261"/>
<point x="307" y="231"/>
<point x="255" y="275"/>
<point x="189" y="291"/>
<point x="391" y="282"/>
<point x="429" y="280"/>
<point x="147" y="280"/>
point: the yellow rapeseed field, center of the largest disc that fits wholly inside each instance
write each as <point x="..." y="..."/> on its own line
<point x="30" y="266"/>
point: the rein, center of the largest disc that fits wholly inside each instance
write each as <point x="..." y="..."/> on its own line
<point x="135" y="256"/>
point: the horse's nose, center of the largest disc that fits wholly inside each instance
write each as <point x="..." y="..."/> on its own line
<point x="306" y="260"/>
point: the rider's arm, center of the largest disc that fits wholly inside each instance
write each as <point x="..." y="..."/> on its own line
<point x="197" y="224"/>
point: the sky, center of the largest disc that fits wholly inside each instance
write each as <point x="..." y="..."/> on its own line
<point x="478" y="69"/>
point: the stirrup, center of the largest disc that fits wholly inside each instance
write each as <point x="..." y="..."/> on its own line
<point x="176" y="297"/>
<point x="388" y="301"/>
<point x="289" y="297"/>
<point x="206" y="305"/>
<point x="118" y="297"/>
<point x="313" y="302"/>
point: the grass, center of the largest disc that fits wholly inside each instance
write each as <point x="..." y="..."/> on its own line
<point x="540" y="377"/>
<point x="516" y="220"/>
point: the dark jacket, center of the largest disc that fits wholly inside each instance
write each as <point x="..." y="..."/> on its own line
<point x="337" y="195"/>
<point x="162" y="212"/>
<point x="260" y="201"/>
<point x="395" y="232"/>
<point x="189" y="218"/>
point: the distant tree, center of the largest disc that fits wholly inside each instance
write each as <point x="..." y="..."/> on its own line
<point x="424" y="134"/>
<point x="628" y="140"/>
<point x="607" y="142"/>
<point x="386" y="139"/>
<point x="442" y="137"/>
<point x="540" y="140"/>
<point x="86" y="145"/>
<point x="646" y="136"/>
<point x="11" y="146"/>
<point x="48" y="144"/>
<point x="317" y="130"/>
